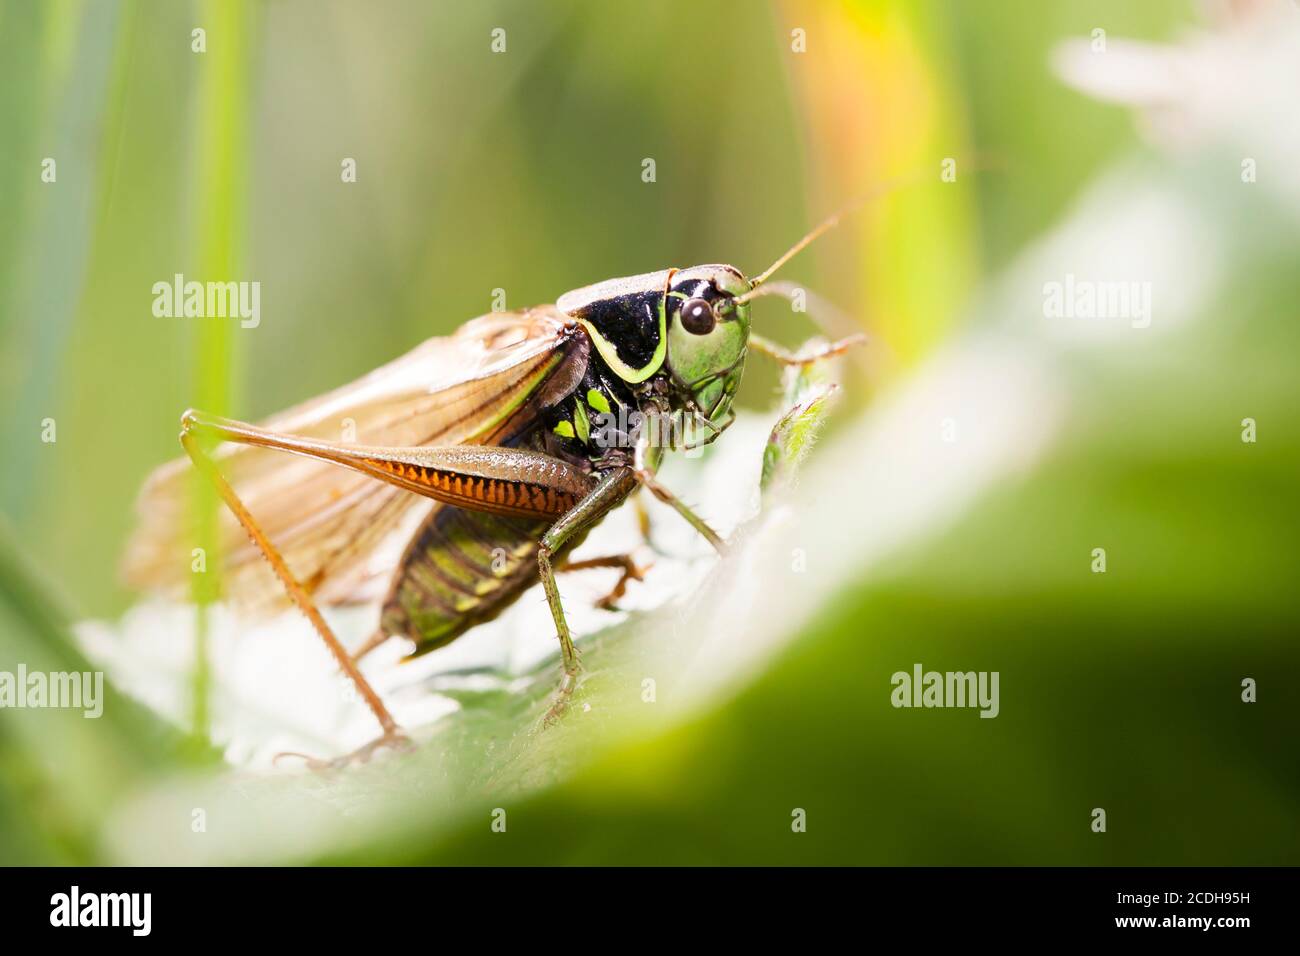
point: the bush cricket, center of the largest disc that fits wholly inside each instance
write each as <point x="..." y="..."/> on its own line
<point x="518" y="433"/>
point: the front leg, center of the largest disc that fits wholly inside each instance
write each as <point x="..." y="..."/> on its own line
<point x="807" y="356"/>
<point x="613" y="487"/>
<point x="648" y="479"/>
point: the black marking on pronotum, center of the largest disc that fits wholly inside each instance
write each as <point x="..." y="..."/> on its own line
<point x="628" y="322"/>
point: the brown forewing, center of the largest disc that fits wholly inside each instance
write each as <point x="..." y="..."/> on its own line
<point x="340" y="532"/>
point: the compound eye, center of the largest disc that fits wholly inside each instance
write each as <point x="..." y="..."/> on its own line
<point x="697" y="317"/>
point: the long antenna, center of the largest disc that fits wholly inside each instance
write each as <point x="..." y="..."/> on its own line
<point x="826" y="225"/>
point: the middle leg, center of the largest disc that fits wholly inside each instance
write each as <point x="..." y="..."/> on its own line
<point x="612" y="488"/>
<point x="631" y="572"/>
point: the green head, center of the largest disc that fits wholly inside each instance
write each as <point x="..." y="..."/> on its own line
<point x="708" y="334"/>
<point x="692" y="323"/>
<point x="686" y="323"/>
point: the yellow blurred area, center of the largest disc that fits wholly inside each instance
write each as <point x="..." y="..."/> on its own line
<point x="877" y="99"/>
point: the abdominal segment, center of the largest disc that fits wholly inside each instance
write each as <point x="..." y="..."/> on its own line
<point x="461" y="568"/>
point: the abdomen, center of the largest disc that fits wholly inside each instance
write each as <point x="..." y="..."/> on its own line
<point x="462" y="568"/>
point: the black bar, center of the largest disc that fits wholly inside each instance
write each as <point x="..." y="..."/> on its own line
<point x="339" y="905"/>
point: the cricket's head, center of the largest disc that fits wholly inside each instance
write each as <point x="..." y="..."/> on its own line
<point x="686" y="323"/>
<point x="708" y="333"/>
<point x="693" y="323"/>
